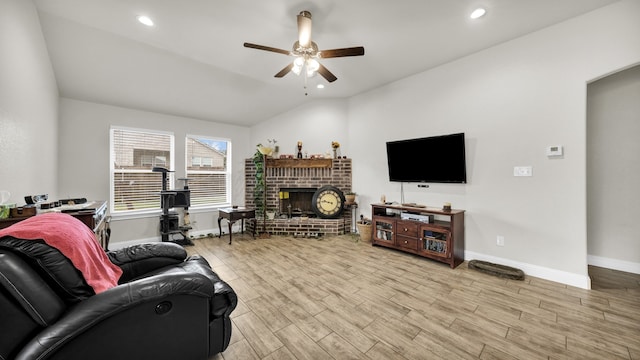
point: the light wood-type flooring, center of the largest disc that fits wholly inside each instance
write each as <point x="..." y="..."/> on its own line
<point x="337" y="298"/>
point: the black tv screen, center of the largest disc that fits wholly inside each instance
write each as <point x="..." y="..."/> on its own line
<point x="436" y="159"/>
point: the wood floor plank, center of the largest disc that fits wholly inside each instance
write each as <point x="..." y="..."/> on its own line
<point x="257" y="334"/>
<point x="348" y="311"/>
<point x="349" y="331"/>
<point x="339" y="348"/>
<point x="305" y="321"/>
<point x="491" y="353"/>
<point x="281" y="354"/>
<point x="387" y="330"/>
<point x="240" y="351"/>
<point x="269" y="313"/>
<point x="382" y="351"/>
<point x="596" y="347"/>
<point x="300" y="345"/>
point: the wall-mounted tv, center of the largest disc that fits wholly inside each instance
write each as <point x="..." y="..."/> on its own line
<point x="436" y="159"/>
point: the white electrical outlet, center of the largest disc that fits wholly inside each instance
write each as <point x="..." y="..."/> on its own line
<point x="500" y="240"/>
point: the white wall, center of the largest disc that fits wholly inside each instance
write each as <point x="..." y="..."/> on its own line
<point x="28" y="105"/>
<point x="512" y="101"/>
<point x="613" y="171"/>
<point x="84" y="158"/>
<point x="316" y="124"/>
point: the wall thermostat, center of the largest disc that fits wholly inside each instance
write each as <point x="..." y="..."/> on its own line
<point x="554" y="150"/>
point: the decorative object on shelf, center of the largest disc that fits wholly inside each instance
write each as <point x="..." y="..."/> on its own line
<point x="383" y="199"/>
<point x="299" y="149"/>
<point x="265" y="150"/>
<point x="446" y="206"/>
<point x="364" y="229"/>
<point x="350" y="197"/>
<point x="5" y="208"/>
<point x="328" y="202"/>
<point x="275" y="148"/>
<point x="335" y="146"/>
<point x="5" y="195"/>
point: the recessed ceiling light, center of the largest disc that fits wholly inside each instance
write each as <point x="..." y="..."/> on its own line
<point x="320" y="86"/>
<point x="478" y="13"/>
<point x="145" y="20"/>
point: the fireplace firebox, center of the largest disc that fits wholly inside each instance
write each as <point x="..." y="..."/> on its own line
<point x="296" y="201"/>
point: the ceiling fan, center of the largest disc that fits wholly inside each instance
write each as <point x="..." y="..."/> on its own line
<point x="306" y="52"/>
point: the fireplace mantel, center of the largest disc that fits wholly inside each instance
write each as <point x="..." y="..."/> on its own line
<point x="299" y="163"/>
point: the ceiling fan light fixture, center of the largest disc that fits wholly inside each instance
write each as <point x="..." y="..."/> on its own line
<point x="306" y="53"/>
<point x="312" y="65"/>
<point x="145" y="20"/>
<point x="478" y="13"/>
<point x="298" y="64"/>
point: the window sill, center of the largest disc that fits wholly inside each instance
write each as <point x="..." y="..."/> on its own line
<point x="155" y="213"/>
<point x="135" y="215"/>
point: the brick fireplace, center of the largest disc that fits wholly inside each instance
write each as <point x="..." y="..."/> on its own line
<point x="299" y="178"/>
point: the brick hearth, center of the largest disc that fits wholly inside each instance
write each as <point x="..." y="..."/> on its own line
<point x="304" y="173"/>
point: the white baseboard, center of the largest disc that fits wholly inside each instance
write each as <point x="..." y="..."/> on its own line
<point x="615" y="264"/>
<point x="563" y="277"/>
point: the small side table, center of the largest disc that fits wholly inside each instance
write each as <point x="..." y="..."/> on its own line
<point x="233" y="215"/>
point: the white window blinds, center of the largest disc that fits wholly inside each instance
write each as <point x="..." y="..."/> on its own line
<point x="134" y="153"/>
<point x="208" y="170"/>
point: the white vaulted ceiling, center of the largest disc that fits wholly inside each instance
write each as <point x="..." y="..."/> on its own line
<point x="192" y="63"/>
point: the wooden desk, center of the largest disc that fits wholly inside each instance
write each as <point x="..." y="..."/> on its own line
<point x="94" y="214"/>
<point x="233" y="215"/>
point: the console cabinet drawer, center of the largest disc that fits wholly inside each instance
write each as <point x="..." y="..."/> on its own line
<point x="407" y="242"/>
<point x="406" y="228"/>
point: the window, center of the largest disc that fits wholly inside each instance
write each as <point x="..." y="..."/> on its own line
<point x="208" y="170"/>
<point x="134" y="153"/>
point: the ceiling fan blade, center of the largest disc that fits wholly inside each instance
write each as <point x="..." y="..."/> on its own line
<point x="267" y="48"/>
<point x="333" y="53"/>
<point x="284" y="71"/>
<point x="326" y="73"/>
<point x="304" y="28"/>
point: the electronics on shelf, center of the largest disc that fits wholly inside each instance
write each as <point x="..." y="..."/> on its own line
<point x="416" y="217"/>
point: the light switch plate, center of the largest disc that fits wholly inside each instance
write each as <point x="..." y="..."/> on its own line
<point x="522" y="171"/>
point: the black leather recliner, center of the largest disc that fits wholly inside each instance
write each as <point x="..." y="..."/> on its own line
<point x="166" y="306"/>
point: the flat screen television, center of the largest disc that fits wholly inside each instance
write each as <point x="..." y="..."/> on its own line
<point x="436" y="159"/>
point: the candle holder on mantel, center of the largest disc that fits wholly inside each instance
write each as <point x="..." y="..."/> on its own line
<point x="299" y="149"/>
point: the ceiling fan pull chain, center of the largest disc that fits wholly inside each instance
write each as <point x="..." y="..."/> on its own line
<point x="305" y="84"/>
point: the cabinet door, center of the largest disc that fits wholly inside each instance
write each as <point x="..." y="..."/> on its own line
<point x="383" y="230"/>
<point x="435" y="241"/>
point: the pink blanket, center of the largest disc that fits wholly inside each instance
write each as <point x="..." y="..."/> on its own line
<point x="75" y="241"/>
